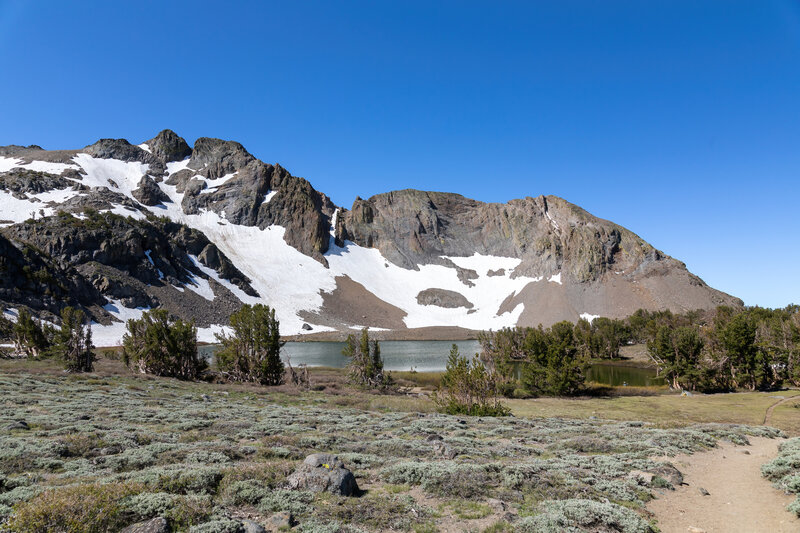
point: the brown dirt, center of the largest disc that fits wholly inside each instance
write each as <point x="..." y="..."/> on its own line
<point x="350" y="304"/>
<point x="740" y="500"/>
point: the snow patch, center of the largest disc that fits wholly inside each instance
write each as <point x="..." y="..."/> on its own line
<point x="553" y="222"/>
<point x="7" y="163"/>
<point x="111" y="335"/>
<point x="334" y="218"/>
<point x="201" y="286"/>
<point x="17" y="210"/>
<point x="160" y="274"/>
<point x="209" y="334"/>
<point x="119" y="176"/>
<point x="555" y="278"/>
<point x="399" y="286"/>
<point x="269" y="196"/>
<point x="210" y="272"/>
<point x="588" y="316"/>
<point x="145" y="147"/>
<point x="177" y="166"/>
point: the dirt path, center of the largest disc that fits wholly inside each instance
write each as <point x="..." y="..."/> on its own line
<point x="768" y="414"/>
<point x="739" y="500"/>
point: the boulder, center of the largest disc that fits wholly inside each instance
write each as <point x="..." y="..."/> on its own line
<point x="154" y="525"/>
<point x="323" y="472"/>
<point x="149" y="193"/>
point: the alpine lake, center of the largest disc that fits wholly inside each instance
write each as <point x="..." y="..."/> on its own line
<point x="431" y="356"/>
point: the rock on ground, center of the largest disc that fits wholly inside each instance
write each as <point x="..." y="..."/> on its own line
<point x="154" y="525"/>
<point x="323" y="472"/>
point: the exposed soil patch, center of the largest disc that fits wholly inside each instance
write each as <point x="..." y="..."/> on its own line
<point x="739" y="499"/>
<point x="350" y="304"/>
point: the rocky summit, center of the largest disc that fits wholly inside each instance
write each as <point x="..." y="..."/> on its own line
<point x="116" y="228"/>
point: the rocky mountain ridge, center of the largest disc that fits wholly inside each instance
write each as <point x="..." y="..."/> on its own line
<point x="133" y="226"/>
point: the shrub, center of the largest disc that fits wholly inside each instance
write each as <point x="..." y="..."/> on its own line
<point x="181" y="511"/>
<point x="161" y="345"/>
<point x="294" y="501"/>
<point x="444" y="478"/>
<point x="181" y="479"/>
<point x="578" y="515"/>
<point x="75" y="509"/>
<point x="252" y="353"/>
<point x="784" y="471"/>
<point x="468" y="388"/>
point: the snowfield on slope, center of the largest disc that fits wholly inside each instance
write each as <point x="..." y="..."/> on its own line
<point x="286" y="279"/>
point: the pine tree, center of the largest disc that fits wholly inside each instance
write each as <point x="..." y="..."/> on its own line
<point x="30" y="338"/>
<point x="366" y="365"/>
<point x="74" y="341"/>
<point x="252" y="352"/>
<point x="161" y="345"/>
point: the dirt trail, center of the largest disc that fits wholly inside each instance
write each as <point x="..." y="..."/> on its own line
<point x="739" y="500"/>
<point x="768" y="414"/>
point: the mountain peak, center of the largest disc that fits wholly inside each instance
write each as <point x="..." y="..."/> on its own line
<point x="168" y="146"/>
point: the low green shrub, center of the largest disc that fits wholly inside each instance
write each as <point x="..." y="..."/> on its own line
<point x="579" y="516"/>
<point x="74" y="509"/>
<point x="784" y="471"/>
<point x="181" y="511"/>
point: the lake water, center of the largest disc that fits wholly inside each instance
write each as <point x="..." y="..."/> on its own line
<point x="422" y="356"/>
<point x="431" y="356"/>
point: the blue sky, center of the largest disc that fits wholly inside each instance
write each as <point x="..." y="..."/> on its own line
<point x="679" y="119"/>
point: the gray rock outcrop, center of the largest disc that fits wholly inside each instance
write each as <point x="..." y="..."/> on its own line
<point x="149" y="193"/>
<point x="443" y="298"/>
<point x="322" y="472"/>
<point x="167" y="146"/>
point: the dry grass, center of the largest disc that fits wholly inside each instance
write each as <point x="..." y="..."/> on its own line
<point x="670" y="410"/>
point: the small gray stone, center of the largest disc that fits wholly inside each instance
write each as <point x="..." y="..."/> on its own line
<point x="252" y="527"/>
<point x="703" y="491"/>
<point x="19" y="424"/>
<point x="154" y="525"/>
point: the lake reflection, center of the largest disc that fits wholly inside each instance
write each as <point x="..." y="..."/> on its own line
<point x="431" y="356"/>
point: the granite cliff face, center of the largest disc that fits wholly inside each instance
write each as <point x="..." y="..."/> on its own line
<point x="118" y="227"/>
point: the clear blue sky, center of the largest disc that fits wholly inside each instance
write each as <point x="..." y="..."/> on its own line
<point x="679" y="119"/>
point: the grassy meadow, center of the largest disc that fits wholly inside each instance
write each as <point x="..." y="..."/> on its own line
<point x="100" y="451"/>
